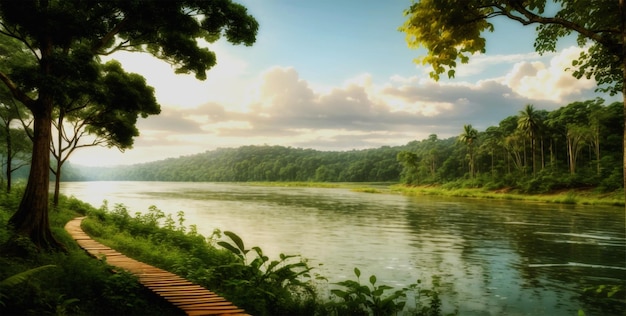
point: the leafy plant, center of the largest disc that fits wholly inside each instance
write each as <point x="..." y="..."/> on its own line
<point x="19" y="278"/>
<point x="358" y="299"/>
<point x="273" y="284"/>
<point x="371" y="299"/>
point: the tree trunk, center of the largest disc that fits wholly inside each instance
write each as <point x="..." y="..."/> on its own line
<point x="59" y="162"/>
<point x="31" y="218"/>
<point x="543" y="161"/>
<point x="622" y="9"/>
<point x="9" y="157"/>
<point x="57" y="183"/>
<point x="532" y="153"/>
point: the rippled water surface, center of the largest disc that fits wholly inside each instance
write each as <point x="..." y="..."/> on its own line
<point x="494" y="257"/>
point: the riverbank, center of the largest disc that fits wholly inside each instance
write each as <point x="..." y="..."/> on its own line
<point x="572" y="196"/>
<point x="588" y="196"/>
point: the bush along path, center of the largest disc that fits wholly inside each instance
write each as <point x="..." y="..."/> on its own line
<point x="191" y="298"/>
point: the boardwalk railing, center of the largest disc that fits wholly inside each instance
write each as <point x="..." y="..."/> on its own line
<point x="191" y="298"/>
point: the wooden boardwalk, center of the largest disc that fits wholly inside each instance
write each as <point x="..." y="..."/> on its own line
<point x="191" y="298"/>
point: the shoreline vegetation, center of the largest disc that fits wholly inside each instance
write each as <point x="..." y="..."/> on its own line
<point x="580" y="196"/>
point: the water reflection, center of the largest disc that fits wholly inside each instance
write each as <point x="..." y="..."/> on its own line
<point x="494" y="257"/>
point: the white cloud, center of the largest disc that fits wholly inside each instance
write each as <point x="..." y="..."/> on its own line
<point x="552" y="82"/>
<point x="184" y="90"/>
<point x="280" y="107"/>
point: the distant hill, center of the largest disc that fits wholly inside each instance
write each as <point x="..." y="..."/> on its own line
<point x="257" y="163"/>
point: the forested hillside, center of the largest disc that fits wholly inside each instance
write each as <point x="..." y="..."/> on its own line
<point x="578" y="145"/>
<point x="262" y="163"/>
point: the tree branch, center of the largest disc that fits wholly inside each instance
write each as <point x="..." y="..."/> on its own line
<point x="109" y="36"/>
<point x="16" y="92"/>
<point x="531" y="18"/>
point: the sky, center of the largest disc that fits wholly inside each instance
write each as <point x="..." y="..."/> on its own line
<point x="338" y="75"/>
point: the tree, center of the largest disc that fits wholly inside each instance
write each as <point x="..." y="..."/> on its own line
<point x="529" y="123"/>
<point x="109" y="113"/>
<point x="576" y="136"/>
<point x="410" y="162"/>
<point x="469" y="137"/>
<point x="66" y="37"/>
<point x="492" y="142"/>
<point x="451" y="31"/>
<point x="16" y="141"/>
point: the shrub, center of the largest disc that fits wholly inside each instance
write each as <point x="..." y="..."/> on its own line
<point x="264" y="287"/>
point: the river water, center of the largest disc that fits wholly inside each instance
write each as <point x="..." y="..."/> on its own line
<point x="493" y="257"/>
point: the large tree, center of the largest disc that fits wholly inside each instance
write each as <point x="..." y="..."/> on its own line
<point x="530" y="123"/>
<point x="106" y="109"/>
<point x="452" y="30"/>
<point x="469" y="138"/>
<point x="61" y="34"/>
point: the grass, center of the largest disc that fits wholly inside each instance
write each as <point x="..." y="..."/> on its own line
<point x="573" y="196"/>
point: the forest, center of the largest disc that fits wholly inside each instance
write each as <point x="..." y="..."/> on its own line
<point x="575" y="146"/>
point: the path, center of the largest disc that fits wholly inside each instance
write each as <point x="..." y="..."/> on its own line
<point x="191" y="298"/>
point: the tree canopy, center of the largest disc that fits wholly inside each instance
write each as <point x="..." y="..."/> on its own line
<point x="65" y="39"/>
<point x="453" y="30"/>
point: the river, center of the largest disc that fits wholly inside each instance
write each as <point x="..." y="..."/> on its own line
<point x="493" y="257"/>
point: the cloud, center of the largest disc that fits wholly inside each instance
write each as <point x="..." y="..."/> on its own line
<point x="184" y="90"/>
<point x="553" y="82"/>
<point x="279" y="107"/>
<point x="286" y="108"/>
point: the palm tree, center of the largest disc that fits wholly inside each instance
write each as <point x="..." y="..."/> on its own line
<point x="529" y="122"/>
<point x="469" y="137"/>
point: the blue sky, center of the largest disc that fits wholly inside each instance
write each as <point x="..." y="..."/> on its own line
<point x="338" y="75"/>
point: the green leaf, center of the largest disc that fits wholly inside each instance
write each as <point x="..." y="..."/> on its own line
<point x="230" y="248"/>
<point x="373" y="279"/>
<point x="357" y="272"/>
<point x="339" y="293"/>
<point x="237" y="240"/>
<point x="22" y="276"/>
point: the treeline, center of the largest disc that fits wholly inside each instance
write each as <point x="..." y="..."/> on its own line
<point x="578" y="145"/>
<point x="260" y="163"/>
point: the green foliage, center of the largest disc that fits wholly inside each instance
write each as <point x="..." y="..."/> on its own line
<point x="610" y="296"/>
<point x="261" y="286"/>
<point x="283" y="286"/>
<point x="14" y="280"/>
<point x="64" y="283"/>
<point x="263" y="163"/>
<point x="354" y="298"/>
<point x="451" y="31"/>
<point x="358" y="299"/>
<point x="65" y="39"/>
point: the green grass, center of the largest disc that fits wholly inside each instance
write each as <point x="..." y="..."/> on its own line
<point x="583" y="197"/>
<point x="574" y="196"/>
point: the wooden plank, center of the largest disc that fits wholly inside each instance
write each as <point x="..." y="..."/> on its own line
<point x="170" y="288"/>
<point x="216" y="312"/>
<point x="191" y="298"/>
<point x="204" y="300"/>
<point x="165" y="282"/>
<point x="206" y="304"/>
